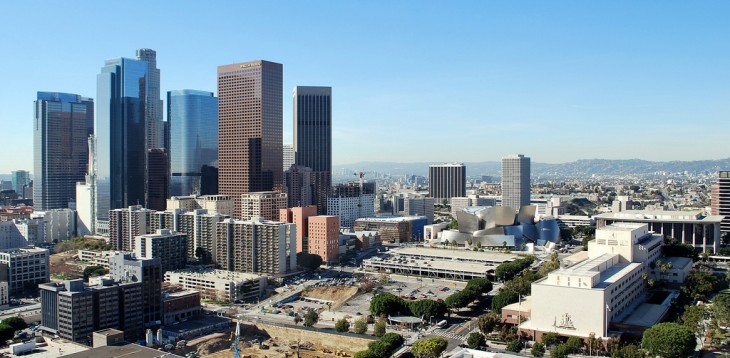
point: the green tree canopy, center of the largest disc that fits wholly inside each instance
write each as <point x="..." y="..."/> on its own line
<point x="93" y="271"/>
<point x="476" y="340"/>
<point x="379" y="328"/>
<point x="427" y="308"/>
<point x="503" y="298"/>
<point x="550" y="339"/>
<point x="429" y="348"/>
<point x="6" y="332"/>
<point x="16" y="322"/>
<point x="721" y="309"/>
<point x="480" y="285"/>
<point x="514" y="346"/>
<point x="488" y="322"/>
<point x="360" y="326"/>
<point x="342" y="325"/>
<point x="308" y="261"/>
<point x="538" y="349"/>
<point x="669" y="340"/>
<point x="386" y="304"/>
<point x="700" y="283"/>
<point x="311" y="318"/>
<point x="560" y="351"/>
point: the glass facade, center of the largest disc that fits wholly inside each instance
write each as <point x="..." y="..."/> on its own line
<point x="62" y="125"/>
<point x="192" y="117"/>
<point x="121" y="152"/>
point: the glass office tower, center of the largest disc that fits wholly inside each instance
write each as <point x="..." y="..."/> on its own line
<point x="192" y="117"/>
<point x="121" y="152"/>
<point x="153" y="104"/>
<point x="313" y="139"/>
<point x="62" y="125"/>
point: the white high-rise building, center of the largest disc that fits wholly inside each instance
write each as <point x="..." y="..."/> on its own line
<point x="515" y="181"/>
<point x="288" y="156"/>
<point x="352" y="201"/>
<point x="264" y="204"/>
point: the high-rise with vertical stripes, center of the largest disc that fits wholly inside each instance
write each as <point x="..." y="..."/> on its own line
<point x="446" y="181"/>
<point x="515" y="181"/>
<point x="313" y="139"/>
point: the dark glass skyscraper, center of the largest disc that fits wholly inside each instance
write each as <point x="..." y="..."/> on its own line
<point x="153" y="104"/>
<point x="193" y="120"/>
<point x="313" y="138"/>
<point x="250" y="128"/>
<point x="121" y="152"/>
<point x="62" y="125"/>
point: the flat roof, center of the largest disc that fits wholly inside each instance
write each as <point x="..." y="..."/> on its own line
<point x="646" y="315"/>
<point x="523" y="306"/>
<point x="125" y="351"/>
<point x="461" y="254"/>
<point x="391" y="219"/>
<point x="217" y="274"/>
<point x="661" y="216"/>
<point x="623" y="227"/>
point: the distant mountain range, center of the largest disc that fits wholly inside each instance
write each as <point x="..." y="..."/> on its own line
<point x="579" y="168"/>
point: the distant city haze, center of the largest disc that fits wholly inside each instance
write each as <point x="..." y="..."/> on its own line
<point x="412" y="82"/>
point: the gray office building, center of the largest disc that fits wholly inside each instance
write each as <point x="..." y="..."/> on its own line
<point x="313" y="139"/>
<point x="515" y="181"/>
<point x="153" y="104"/>
<point x="446" y="181"/>
<point x="127" y="268"/>
<point x="62" y="125"/>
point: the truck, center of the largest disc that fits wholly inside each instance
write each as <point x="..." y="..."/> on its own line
<point x="22" y="348"/>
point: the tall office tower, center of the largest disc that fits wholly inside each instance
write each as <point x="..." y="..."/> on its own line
<point x="721" y="200"/>
<point x="324" y="235"/>
<point x="257" y="246"/>
<point x="265" y="204"/>
<point x="167" y="245"/>
<point x="298" y="186"/>
<point x="446" y="181"/>
<point x="120" y="131"/>
<point x="62" y="125"/>
<point x="126" y="224"/>
<point x="192" y="117"/>
<point x="158" y="178"/>
<point x="249" y="129"/>
<point x="288" y="156"/>
<point x="515" y="181"/>
<point x="352" y="201"/>
<point x="299" y="216"/>
<point x="313" y="138"/>
<point x="155" y="136"/>
<point x="21" y="178"/>
<point x="85" y="190"/>
<point x="126" y="268"/>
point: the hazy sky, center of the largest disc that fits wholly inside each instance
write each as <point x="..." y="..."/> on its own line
<point x="412" y="80"/>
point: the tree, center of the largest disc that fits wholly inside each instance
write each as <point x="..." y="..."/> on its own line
<point x="6" y="332"/>
<point x="476" y="340"/>
<point x="669" y="340"/>
<point x="700" y="283"/>
<point x="459" y="299"/>
<point x="385" y="304"/>
<point x="379" y="328"/>
<point x="721" y="309"/>
<point x="628" y="351"/>
<point x="93" y="271"/>
<point x="538" y="349"/>
<point x="488" y="322"/>
<point x="514" y="346"/>
<point x="480" y="285"/>
<point x="503" y="298"/>
<point x="427" y="308"/>
<point x="429" y="348"/>
<point x="561" y="351"/>
<point x="386" y="345"/>
<point x="311" y="318"/>
<point x="308" y="261"/>
<point x="574" y="343"/>
<point x="365" y="354"/>
<point x="297" y="320"/>
<point x="692" y="318"/>
<point x="16" y="322"/>
<point x="342" y="325"/>
<point x="383" y="279"/>
<point x="550" y="339"/>
<point x="453" y="225"/>
<point x="360" y="326"/>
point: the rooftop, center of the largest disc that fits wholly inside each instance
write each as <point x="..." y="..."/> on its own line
<point x="393" y="219"/>
<point x="219" y="274"/>
<point x="464" y="255"/>
<point x="125" y="351"/>
<point x="661" y="215"/>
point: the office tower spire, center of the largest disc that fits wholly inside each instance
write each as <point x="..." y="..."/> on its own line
<point x="249" y="128"/>
<point x="313" y="138"/>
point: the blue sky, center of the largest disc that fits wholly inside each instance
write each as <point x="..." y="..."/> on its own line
<point x="413" y="80"/>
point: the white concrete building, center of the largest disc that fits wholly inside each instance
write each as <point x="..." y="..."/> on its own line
<point x="24" y="268"/>
<point x="463" y="202"/>
<point x="85" y="224"/>
<point x="215" y="204"/>
<point x="60" y="224"/>
<point x="220" y="285"/>
<point x="288" y="156"/>
<point x="609" y="285"/>
<point x="416" y="205"/>
<point x="264" y="204"/>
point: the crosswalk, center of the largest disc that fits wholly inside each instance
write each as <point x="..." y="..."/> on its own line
<point x="447" y="334"/>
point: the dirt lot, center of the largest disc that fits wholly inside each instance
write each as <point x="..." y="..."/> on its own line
<point x="338" y="294"/>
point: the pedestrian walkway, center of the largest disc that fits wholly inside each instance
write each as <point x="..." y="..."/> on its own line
<point x="446" y="334"/>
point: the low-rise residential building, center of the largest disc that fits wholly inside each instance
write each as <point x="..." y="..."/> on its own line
<point x="256" y="246"/>
<point x="220" y="285"/>
<point x="214" y="204"/>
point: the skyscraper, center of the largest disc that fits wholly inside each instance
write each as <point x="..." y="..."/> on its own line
<point x="515" y="181"/>
<point x="720" y="199"/>
<point x="121" y="148"/>
<point x="63" y="124"/>
<point x="153" y="104"/>
<point x="249" y="128"/>
<point x="19" y="179"/>
<point x="288" y="156"/>
<point x="313" y="138"/>
<point x="193" y="120"/>
<point x="446" y="181"/>
<point x="158" y="179"/>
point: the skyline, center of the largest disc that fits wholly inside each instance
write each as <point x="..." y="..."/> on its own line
<point x="539" y="79"/>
